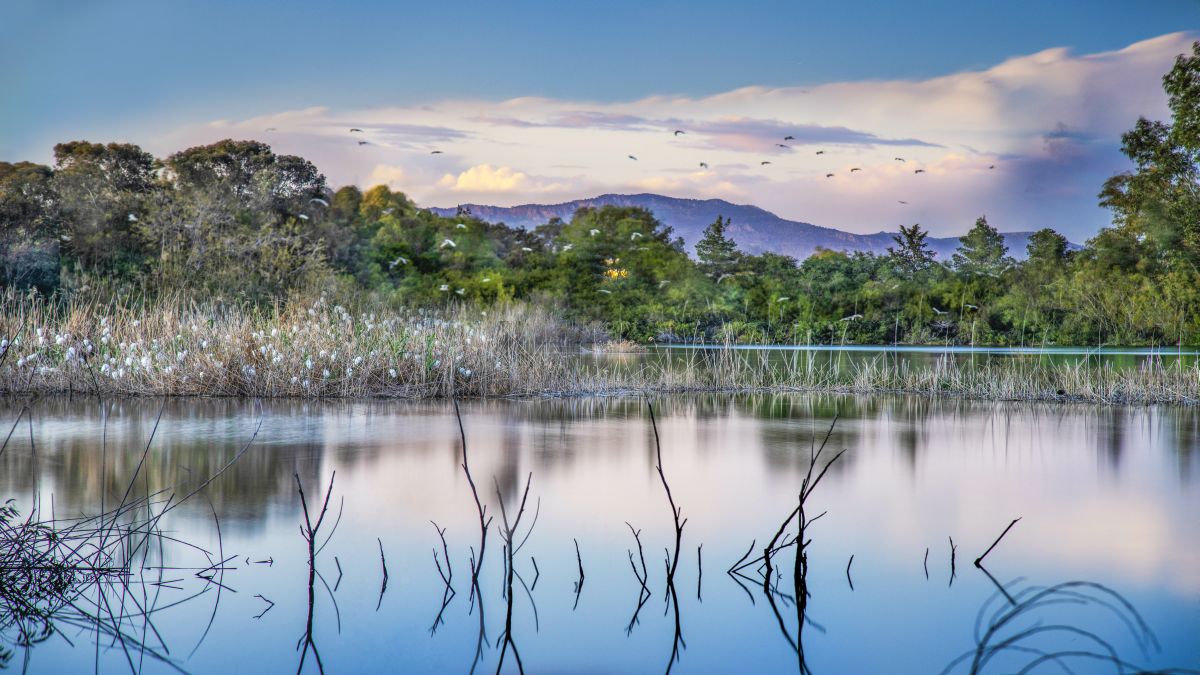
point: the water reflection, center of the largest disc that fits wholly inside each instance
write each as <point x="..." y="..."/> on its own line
<point x="1108" y="494"/>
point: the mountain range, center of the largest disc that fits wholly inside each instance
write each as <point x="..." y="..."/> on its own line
<point x="754" y="229"/>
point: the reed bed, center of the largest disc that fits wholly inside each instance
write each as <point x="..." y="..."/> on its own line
<point x="317" y="349"/>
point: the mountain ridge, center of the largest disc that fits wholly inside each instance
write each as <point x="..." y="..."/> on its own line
<point x="755" y="229"/>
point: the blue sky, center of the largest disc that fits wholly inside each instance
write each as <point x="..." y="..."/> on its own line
<point x="142" y="71"/>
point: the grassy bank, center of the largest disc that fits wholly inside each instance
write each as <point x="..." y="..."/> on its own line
<point x="315" y="349"/>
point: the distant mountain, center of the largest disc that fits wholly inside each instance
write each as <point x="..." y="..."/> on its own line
<point x="755" y="230"/>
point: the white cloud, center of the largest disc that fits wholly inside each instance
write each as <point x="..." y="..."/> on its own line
<point x="1050" y="122"/>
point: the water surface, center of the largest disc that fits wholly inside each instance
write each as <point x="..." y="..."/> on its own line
<point x="1107" y="495"/>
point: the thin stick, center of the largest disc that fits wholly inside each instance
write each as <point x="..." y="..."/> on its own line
<point x="926" y="562"/>
<point x="383" y="563"/>
<point x="980" y="558"/>
<point x="848" y="571"/>
<point x="953" y="548"/>
<point x="579" y="560"/>
<point x="699" y="572"/>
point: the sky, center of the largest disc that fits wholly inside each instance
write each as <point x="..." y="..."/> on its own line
<point x="545" y="101"/>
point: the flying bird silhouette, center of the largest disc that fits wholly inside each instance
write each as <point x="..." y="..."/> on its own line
<point x="593" y="232"/>
<point x="303" y="217"/>
<point x="789" y="138"/>
<point x="829" y="175"/>
<point x="899" y="159"/>
<point x="703" y="165"/>
<point x="398" y="261"/>
<point x="919" y="171"/>
<point x="436" y="152"/>
<point x="992" y="166"/>
<point x="938" y="311"/>
<point x="902" y="201"/>
<point x="781" y="145"/>
<point x="763" y="163"/>
<point x="820" y="152"/>
<point x="678" y="132"/>
<point x="363" y="143"/>
<point x="133" y="218"/>
<point x="855" y="169"/>
<point x="632" y="157"/>
<point x="461" y="226"/>
<point x="851" y="317"/>
<point x="356" y="131"/>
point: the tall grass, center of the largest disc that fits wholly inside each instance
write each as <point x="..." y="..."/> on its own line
<point x="313" y="348"/>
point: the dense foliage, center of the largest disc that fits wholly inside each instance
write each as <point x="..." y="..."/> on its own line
<point x="233" y="221"/>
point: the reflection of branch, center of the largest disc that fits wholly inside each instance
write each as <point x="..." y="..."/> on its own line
<point x="383" y="564"/>
<point x="508" y="534"/>
<point x="484" y="521"/>
<point x="578" y="584"/>
<point x="953" y="550"/>
<point x="310" y="532"/>
<point x="672" y="561"/>
<point x="1003" y="636"/>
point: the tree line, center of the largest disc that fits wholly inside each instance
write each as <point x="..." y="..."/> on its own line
<point x="235" y="222"/>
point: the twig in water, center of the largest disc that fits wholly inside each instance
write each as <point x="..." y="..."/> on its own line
<point x="578" y="584"/>
<point x="699" y="572"/>
<point x="271" y="606"/>
<point x="537" y="574"/>
<point x="848" y="564"/>
<point x="953" y="549"/>
<point x="980" y="558"/>
<point x="926" y="562"/>
<point x="383" y="563"/>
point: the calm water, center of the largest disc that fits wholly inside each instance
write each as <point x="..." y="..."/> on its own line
<point x="1106" y="494"/>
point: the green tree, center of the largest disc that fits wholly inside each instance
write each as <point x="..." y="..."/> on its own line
<point x="1159" y="201"/>
<point x="982" y="251"/>
<point x="911" y="257"/>
<point x="717" y="252"/>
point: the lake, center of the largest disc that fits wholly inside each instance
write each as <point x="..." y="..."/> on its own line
<point x="1109" y="501"/>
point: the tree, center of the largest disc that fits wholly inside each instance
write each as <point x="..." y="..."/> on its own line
<point x="718" y="254"/>
<point x="911" y="256"/>
<point x="28" y="227"/>
<point x="1159" y="202"/>
<point x="104" y="191"/>
<point x="982" y="251"/>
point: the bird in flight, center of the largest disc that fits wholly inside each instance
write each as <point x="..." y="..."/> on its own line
<point x="303" y="217"/>
<point x="388" y="212"/>
<point x="133" y="218"/>
<point x="444" y="287"/>
<point x="605" y="291"/>
<point x="568" y="247"/>
<point x="678" y="132"/>
<point x="363" y="143"/>
<point x="635" y="235"/>
<point x="398" y="261"/>
<point x="902" y="201"/>
<point x="789" y="138"/>
<point x="448" y="242"/>
<point x="992" y="166"/>
<point x="461" y="226"/>
<point x="899" y="159"/>
<point x="763" y="163"/>
<point x="703" y="165"/>
<point x="938" y="311"/>
<point x="632" y="157"/>
<point x="851" y="317"/>
<point x="820" y="152"/>
<point x="436" y="152"/>
<point x="829" y="175"/>
<point x="970" y="305"/>
<point x="855" y="169"/>
<point x="919" y="171"/>
<point x="320" y="201"/>
<point x="356" y="131"/>
<point x="781" y="145"/>
<point x="593" y="232"/>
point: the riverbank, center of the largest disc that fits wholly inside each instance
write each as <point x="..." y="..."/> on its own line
<point x="316" y="349"/>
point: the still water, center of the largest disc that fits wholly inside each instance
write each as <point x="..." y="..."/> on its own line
<point x="1106" y="495"/>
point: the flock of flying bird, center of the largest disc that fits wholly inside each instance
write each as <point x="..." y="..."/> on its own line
<point x="450" y="243"/>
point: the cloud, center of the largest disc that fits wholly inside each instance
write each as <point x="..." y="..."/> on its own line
<point x="485" y="178"/>
<point x="1050" y="122"/>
